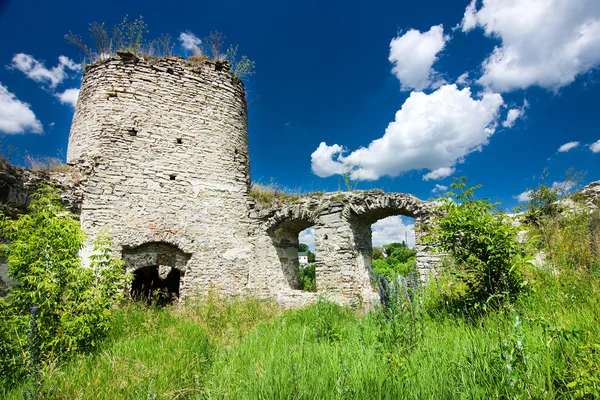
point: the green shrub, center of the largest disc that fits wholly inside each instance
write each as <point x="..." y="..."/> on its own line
<point x="482" y="243"/>
<point x="74" y="304"/>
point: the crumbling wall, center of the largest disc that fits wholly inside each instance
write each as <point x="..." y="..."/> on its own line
<point x="343" y="241"/>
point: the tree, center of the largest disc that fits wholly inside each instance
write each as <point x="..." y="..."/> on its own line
<point x="377" y="253"/>
<point x="303" y="248"/>
<point x="482" y="242"/>
<point x="307" y="278"/>
<point x="73" y="305"/>
<point x="399" y="252"/>
<point x="399" y="260"/>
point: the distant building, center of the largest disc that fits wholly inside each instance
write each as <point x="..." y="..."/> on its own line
<point x="303" y="257"/>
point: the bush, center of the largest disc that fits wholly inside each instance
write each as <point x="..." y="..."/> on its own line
<point x="74" y="304"/>
<point x="568" y="234"/>
<point x="482" y="243"/>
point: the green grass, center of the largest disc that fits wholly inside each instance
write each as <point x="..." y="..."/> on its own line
<point x="546" y="346"/>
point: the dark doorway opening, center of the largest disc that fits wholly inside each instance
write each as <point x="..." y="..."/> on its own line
<point x="158" y="283"/>
<point x="158" y="271"/>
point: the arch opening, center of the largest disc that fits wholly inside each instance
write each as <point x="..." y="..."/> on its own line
<point x="307" y="278"/>
<point x="385" y="243"/>
<point x="158" y="270"/>
<point x="393" y="247"/>
<point x="285" y="237"/>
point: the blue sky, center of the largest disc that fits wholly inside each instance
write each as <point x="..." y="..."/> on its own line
<point x="402" y="95"/>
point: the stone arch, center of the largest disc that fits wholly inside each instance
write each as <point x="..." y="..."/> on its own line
<point x="283" y="232"/>
<point x="377" y="207"/>
<point x="156" y="266"/>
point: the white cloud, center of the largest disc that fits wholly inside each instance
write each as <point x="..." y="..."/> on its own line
<point x="189" y="41"/>
<point x="514" y="114"/>
<point x="567" y="146"/>
<point x="439" y="188"/>
<point x="322" y="163"/>
<point x="511" y="117"/>
<point x="524" y="197"/>
<point x="16" y="116"/>
<point x="69" y="96"/>
<point x="307" y="237"/>
<point x="413" y="55"/>
<point x="595" y="147"/>
<point x="395" y="229"/>
<point x="463" y="80"/>
<point x="547" y="43"/>
<point x="431" y="131"/>
<point x="36" y="70"/>
<point x="439" y="173"/>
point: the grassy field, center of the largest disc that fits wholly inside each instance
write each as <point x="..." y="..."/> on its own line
<point x="546" y="346"/>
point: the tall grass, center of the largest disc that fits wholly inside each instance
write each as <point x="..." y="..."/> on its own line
<point x="501" y="355"/>
<point x="545" y="346"/>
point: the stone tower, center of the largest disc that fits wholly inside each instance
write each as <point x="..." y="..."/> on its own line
<point x="164" y="144"/>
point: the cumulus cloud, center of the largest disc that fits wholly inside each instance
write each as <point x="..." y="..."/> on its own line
<point x="547" y="43"/>
<point x="16" y="116"/>
<point x="36" y="70"/>
<point x="463" y="79"/>
<point x="395" y="229"/>
<point x="69" y="96"/>
<point x="413" y="55"/>
<point x="189" y="41"/>
<point x="439" y="188"/>
<point x="322" y="162"/>
<point x="514" y="114"/>
<point x="307" y="237"/>
<point x="567" y="146"/>
<point x="439" y="173"/>
<point x="511" y="117"/>
<point x="431" y="131"/>
<point x="595" y="147"/>
<point x="523" y="197"/>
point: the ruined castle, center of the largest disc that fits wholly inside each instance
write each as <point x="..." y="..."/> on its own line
<point x="160" y="151"/>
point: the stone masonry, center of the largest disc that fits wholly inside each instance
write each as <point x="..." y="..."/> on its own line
<point x="161" y="150"/>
